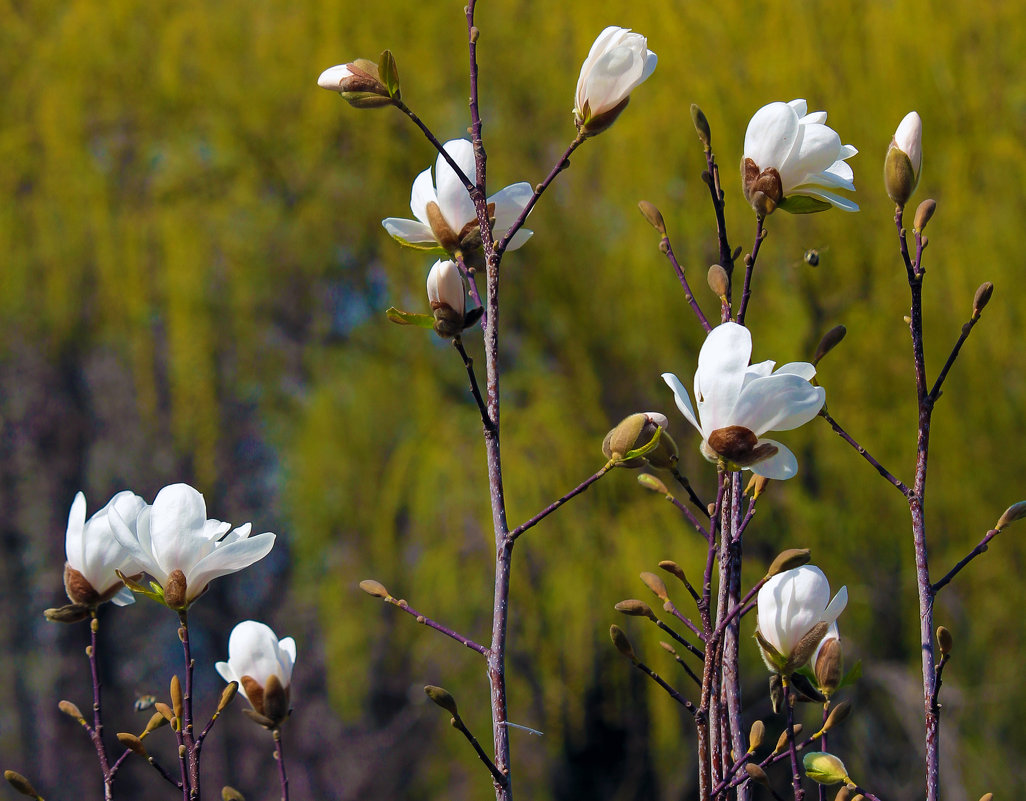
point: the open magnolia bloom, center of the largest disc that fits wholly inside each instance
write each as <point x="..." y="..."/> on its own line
<point x="618" y="62"/>
<point x="795" y="614"/>
<point x="262" y="665"/>
<point x="95" y="555"/>
<point x="446" y="217"/>
<point x="794" y="160"/>
<point x="738" y="402"/>
<point x="184" y="551"/>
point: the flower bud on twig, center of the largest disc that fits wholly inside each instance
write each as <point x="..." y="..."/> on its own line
<point x="71" y="711"/>
<point x="21" y="784"/>
<point x="924" y="212"/>
<point x="375" y="588"/>
<point x="904" y="159"/>
<point x="636" y="608"/>
<point x="719" y="283"/>
<point x="231" y="794"/>
<point x="132" y="743"/>
<point x="825" y="768"/>
<point x="650" y="482"/>
<point x="831" y="339"/>
<point x="1017" y="511"/>
<point x="656" y="584"/>
<point x="701" y="124"/>
<point x="782" y="740"/>
<point x="756" y="735"/>
<point x="982" y="298"/>
<point x="623" y="645"/>
<point x="442" y="698"/>
<point x="944" y="640"/>
<point x="757" y="774"/>
<point x="651" y="213"/>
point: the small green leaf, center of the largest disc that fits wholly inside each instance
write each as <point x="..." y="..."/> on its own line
<point x="802" y="204"/>
<point x="410" y="318"/>
<point x="389" y="73"/>
<point x="852" y="675"/>
<point x="645" y="449"/>
<point x="432" y="248"/>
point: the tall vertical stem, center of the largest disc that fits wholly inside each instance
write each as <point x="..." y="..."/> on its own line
<point x="731" y="672"/>
<point x="97" y="731"/>
<point x="188" y="735"/>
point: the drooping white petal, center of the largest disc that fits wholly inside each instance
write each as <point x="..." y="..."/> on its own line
<point x="509" y="202"/>
<point x="408" y="230"/>
<point x="226" y="672"/>
<point x="680" y="394"/>
<point x="453" y="198"/>
<point x="780" y="466"/>
<point x="777" y="402"/>
<point x="287" y="659"/>
<point x="226" y="559"/>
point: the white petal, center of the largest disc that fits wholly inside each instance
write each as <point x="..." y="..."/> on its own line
<point x="453" y="197"/>
<point x="74" y="548"/>
<point x="800" y="108"/>
<point x="509" y="203"/>
<point x="836" y="200"/>
<point x="519" y="238"/>
<point x="333" y="76"/>
<point x="253" y="651"/>
<point x="771" y="135"/>
<point x="408" y="230"/>
<point x="722" y="363"/>
<point x="778" y="402"/>
<point x="817" y="149"/>
<point x="226" y="672"/>
<point x="123" y="597"/>
<point x="801" y="369"/>
<point x="131" y="543"/>
<point x="780" y="466"/>
<point x="683" y="400"/>
<point x="227" y="559"/>
<point x="177" y="521"/>
<point x="287" y="659"/>
<point x="422" y="194"/>
<point x="836" y="605"/>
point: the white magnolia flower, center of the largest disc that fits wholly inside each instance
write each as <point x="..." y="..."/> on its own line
<point x="618" y="62"/>
<point x="358" y="82"/>
<point x="904" y="159"/>
<point x="184" y="551"/>
<point x="445" y="287"/>
<point x="792" y="604"/>
<point x="738" y="402"/>
<point x="446" y="217"/>
<point x="262" y="665"/>
<point x="791" y="156"/>
<point x="94" y="554"/>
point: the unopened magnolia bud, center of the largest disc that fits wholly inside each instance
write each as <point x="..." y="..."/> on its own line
<point x="375" y="588"/>
<point x="72" y="613"/>
<point x="623" y="645"/>
<point x="20" y="783"/>
<point x="701" y="126"/>
<point x="71" y="710"/>
<point x="1017" y="511"/>
<point x="651" y="213"/>
<point x="448" y="298"/>
<point x="635" y="432"/>
<point x="165" y="710"/>
<point x="944" y="640"/>
<point x="788" y="560"/>
<point x="982" y="298"/>
<point x="176" y="695"/>
<point x="924" y="212"/>
<point x="156" y="721"/>
<point x="719" y="283"/>
<point x="360" y="83"/>
<point x="674" y="569"/>
<point x="830" y="340"/>
<point x="829" y="664"/>
<point x="231" y="794"/>
<point x="650" y="482"/>
<point x="782" y="739"/>
<point x="227" y="695"/>
<point x="757" y="774"/>
<point x="824" y="768"/>
<point x="987" y="797"/>
<point x="756" y="735"/>
<point x="656" y="584"/>
<point x="636" y="608"/>
<point x="133" y="743"/>
<point x="443" y="698"/>
<point x="837" y="715"/>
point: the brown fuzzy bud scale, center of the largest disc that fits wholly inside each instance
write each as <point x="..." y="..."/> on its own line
<point x="133" y="743"/>
<point x="739" y="446"/>
<point x="924" y="212"/>
<point x="71" y="711"/>
<point x="375" y="588"/>
<point x="982" y="298"/>
<point x="831" y="339"/>
<point x="828" y="667"/>
<point x="276" y="700"/>
<point x="719" y="283"/>
<point x="788" y="560"/>
<point x="757" y="774"/>
<point x="701" y="124"/>
<point x="20" y="783"/>
<point x="756" y="735"/>
<point x="944" y="640"/>
<point x="71" y="613"/>
<point x="653" y="215"/>
<point x="656" y="584"/>
<point x="175" y="590"/>
<point x="79" y="590"/>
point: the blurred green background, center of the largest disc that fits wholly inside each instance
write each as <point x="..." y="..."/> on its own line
<point x="194" y="276"/>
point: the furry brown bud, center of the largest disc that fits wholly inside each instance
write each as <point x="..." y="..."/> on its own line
<point x="623" y="645"/>
<point x="944" y="640"/>
<point x="71" y="711"/>
<point x="719" y="283"/>
<point x="656" y="584"/>
<point x="831" y="339"/>
<point x="924" y="212"/>
<point x="20" y="783"/>
<point x="375" y="588"/>
<point x="636" y="608"/>
<point x="982" y="298"/>
<point x="654" y="217"/>
<point x="701" y="124"/>
<point x="788" y="560"/>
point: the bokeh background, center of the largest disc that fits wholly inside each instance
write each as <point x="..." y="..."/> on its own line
<point x="193" y="280"/>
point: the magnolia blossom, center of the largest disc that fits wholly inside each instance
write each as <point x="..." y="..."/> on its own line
<point x="904" y="159"/>
<point x="791" y="605"/>
<point x="358" y="82"/>
<point x="790" y="154"/>
<point x="618" y="62"/>
<point x="184" y="551"/>
<point x="446" y="217"/>
<point x="94" y="554"/>
<point x="262" y="665"/>
<point x="445" y="287"/>
<point x="738" y="402"/>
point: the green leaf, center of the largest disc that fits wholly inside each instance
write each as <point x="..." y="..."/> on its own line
<point x="410" y="318"/>
<point x="802" y="204"/>
<point x="645" y="449"/>
<point x="388" y="72"/>
<point x="852" y="675"/>
<point x="432" y="248"/>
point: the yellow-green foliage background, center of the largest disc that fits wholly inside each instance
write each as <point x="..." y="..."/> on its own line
<point x="177" y="191"/>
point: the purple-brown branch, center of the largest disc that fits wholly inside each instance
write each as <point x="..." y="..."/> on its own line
<point x="883" y="471"/>
<point x="552" y="507"/>
<point x="667" y="248"/>
<point x="980" y="548"/>
<point x="433" y="624"/>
